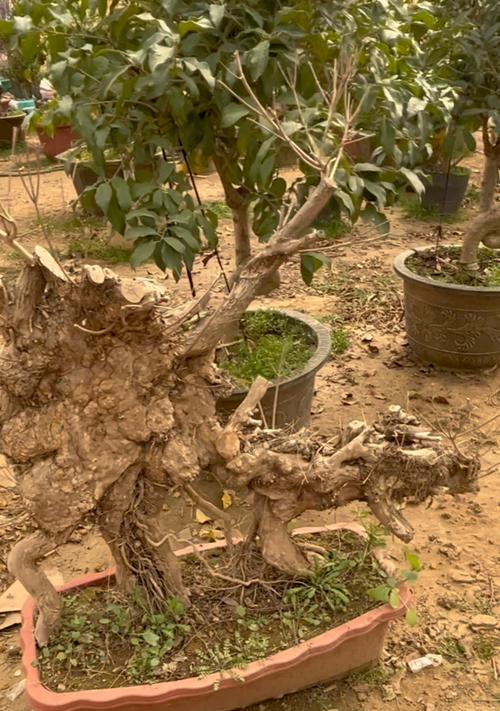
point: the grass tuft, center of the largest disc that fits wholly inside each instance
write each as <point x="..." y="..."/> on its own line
<point x="98" y="249"/>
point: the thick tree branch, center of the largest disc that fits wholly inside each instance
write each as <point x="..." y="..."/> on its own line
<point x="285" y="242"/>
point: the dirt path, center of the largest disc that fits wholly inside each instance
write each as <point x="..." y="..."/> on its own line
<point x="456" y="539"/>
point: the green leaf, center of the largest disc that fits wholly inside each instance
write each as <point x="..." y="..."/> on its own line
<point x="278" y="187"/>
<point x="412" y="617"/>
<point x="310" y="262"/>
<point x="415" y="105"/>
<point x="371" y="214"/>
<point x="410" y="575"/>
<point x="103" y="196"/>
<point x="195" y="65"/>
<point x="413" y="179"/>
<point x="216" y="13"/>
<point x="346" y="200"/>
<point x="186" y="26"/>
<point x="122" y="192"/>
<point x="6" y="28"/>
<point x="367" y="168"/>
<point x="176" y="244"/>
<point x="394" y="598"/>
<point x="413" y="561"/>
<point x="133" y="233"/>
<point x="158" y="55"/>
<point x="380" y="593"/>
<point x="257" y="59"/>
<point x="469" y="140"/>
<point x="232" y="113"/>
<point x="141" y="254"/>
<point x="377" y="191"/>
<point x="22" y="24"/>
<point x="149" y="636"/>
<point x="186" y="236"/>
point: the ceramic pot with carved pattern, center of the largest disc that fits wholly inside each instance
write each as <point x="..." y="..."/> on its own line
<point x="453" y="326"/>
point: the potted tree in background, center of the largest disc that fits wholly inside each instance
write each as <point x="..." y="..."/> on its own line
<point x="446" y="181"/>
<point x="452" y="294"/>
<point x="50" y="121"/>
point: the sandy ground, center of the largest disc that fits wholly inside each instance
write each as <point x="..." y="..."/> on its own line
<point x="456" y="538"/>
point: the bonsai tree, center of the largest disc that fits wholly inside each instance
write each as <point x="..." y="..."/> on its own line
<point x="107" y="399"/>
<point x="161" y="78"/>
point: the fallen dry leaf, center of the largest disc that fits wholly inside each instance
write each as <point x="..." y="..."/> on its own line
<point x="201" y="517"/>
<point x="212" y="534"/>
<point x="227" y="500"/>
<point x="10" y="620"/>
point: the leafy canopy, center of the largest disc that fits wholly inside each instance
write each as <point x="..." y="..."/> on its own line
<point x="151" y="79"/>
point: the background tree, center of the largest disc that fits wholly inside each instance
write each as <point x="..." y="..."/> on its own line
<point x="467" y="53"/>
<point x="148" y="77"/>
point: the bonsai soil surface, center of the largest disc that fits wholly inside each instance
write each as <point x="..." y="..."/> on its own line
<point x="107" y="641"/>
<point x="444" y="266"/>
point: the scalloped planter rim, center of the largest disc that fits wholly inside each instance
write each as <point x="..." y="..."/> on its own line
<point x="329" y="655"/>
<point x="453" y="326"/>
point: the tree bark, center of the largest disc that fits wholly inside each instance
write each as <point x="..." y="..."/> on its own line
<point x="237" y="200"/>
<point x="491" y="147"/>
<point x="22" y="563"/>
<point x="484" y="228"/>
<point x="490" y="179"/>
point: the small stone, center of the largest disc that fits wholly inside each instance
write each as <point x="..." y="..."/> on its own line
<point x="430" y="707"/>
<point x="483" y="622"/>
<point x="61" y="687"/>
<point x="462" y="576"/>
<point x="17" y="672"/>
<point x="388" y="693"/>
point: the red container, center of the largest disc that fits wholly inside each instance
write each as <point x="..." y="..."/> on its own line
<point x="330" y="655"/>
<point x="61" y="141"/>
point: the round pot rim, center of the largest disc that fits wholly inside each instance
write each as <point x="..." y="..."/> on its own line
<point x="464" y="172"/>
<point x="317" y="359"/>
<point x="405" y="273"/>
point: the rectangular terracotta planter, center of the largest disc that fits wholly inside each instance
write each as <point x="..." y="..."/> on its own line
<point x="329" y="655"/>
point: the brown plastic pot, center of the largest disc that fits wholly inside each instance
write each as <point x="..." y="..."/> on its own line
<point x="333" y="654"/>
<point x="450" y="325"/>
<point x="445" y="193"/>
<point x="7" y="125"/>
<point x="61" y="141"/>
<point x="289" y="398"/>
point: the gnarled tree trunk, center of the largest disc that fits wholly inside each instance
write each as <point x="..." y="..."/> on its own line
<point x="108" y="404"/>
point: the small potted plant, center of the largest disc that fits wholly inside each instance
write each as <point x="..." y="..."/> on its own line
<point x="452" y="298"/>
<point x="446" y="181"/>
<point x="11" y="117"/>
<point x="53" y="128"/>
<point x="287" y="348"/>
